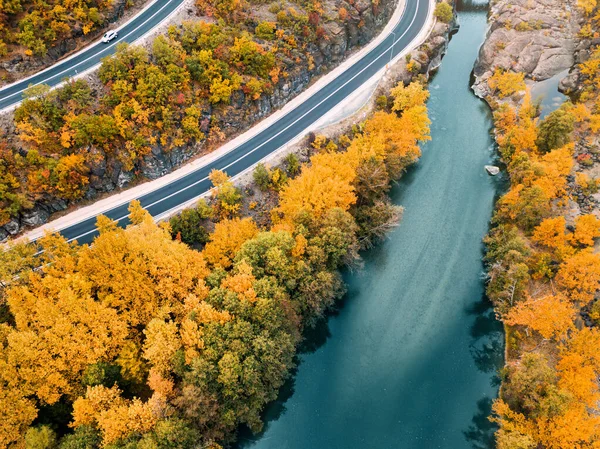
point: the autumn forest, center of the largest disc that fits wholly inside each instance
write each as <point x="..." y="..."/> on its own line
<point x="543" y="267"/>
<point x="178" y="334"/>
<point x="143" y="340"/>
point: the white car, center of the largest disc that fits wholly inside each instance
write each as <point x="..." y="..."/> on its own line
<point x="109" y="36"/>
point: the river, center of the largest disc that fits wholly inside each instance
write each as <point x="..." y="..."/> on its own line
<point x="410" y="359"/>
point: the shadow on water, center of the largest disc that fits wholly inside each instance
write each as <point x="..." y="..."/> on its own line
<point x="480" y="433"/>
<point x="486" y="347"/>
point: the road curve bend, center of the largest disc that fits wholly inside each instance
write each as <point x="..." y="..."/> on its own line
<point x="92" y="55"/>
<point x="184" y="189"/>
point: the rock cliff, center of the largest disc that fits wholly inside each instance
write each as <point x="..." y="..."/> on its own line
<point x="537" y="38"/>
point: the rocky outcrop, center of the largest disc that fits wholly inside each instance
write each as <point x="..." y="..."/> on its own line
<point x="535" y="37"/>
<point x="587" y="144"/>
<point x="541" y="38"/>
<point x="572" y="84"/>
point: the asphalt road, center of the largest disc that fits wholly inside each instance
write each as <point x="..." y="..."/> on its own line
<point x="92" y="55"/>
<point x="275" y="136"/>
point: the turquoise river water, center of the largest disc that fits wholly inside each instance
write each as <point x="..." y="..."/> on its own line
<point x="410" y="359"/>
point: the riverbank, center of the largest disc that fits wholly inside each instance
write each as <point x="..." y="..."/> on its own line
<point x="542" y="259"/>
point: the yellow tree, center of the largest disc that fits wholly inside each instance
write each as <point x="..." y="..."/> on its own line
<point x="190" y="328"/>
<point x="552" y="316"/>
<point x="161" y="345"/>
<point x="576" y="428"/>
<point x="16" y="258"/>
<point x="16" y="411"/>
<point x="60" y="330"/>
<point x="133" y="418"/>
<point x="227" y="238"/>
<point x="516" y="431"/>
<point x="551" y="233"/>
<point x="579" y="275"/>
<point x="241" y="282"/>
<point x="406" y="97"/>
<point x="226" y="196"/>
<point x="555" y="167"/>
<point x="517" y="130"/>
<point x="114" y="416"/>
<point x="324" y="185"/>
<point x="387" y="135"/>
<point x="579" y="365"/>
<point x="507" y="83"/>
<point x="587" y="6"/>
<point x="574" y="423"/>
<point x="587" y="228"/>
<point x="141" y="270"/>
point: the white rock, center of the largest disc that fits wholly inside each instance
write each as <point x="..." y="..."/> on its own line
<point x="492" y="170"/>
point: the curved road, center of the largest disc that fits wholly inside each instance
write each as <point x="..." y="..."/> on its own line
<point x="92" y="55"/>
<point x="275" y="136"/>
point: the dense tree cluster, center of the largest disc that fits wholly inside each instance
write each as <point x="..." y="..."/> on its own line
<point x="543" y="271"/>
<point x="141" y="341"/>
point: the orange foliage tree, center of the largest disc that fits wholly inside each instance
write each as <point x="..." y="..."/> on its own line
<point x="552" y="316"/>
<point x="579" y="275"/>
<point x="227" y="238"/>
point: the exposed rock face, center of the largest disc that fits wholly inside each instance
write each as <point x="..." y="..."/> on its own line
<point x="34" y="217"/>
<point x="535" y="37"/>
<point x="572" y="84"/>
<point x="12" y="227"/>
<point x="124" y="178"/>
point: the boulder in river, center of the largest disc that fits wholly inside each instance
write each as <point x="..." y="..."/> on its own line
<point x="492" y="170"/>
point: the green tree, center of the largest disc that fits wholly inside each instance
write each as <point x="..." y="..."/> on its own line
<point x="262" y="177"/>
<point x="84" y="437"/>
<point x="188" y="225"/>
<point x="41" y="437"/>
<point x="555" y="130"/>
<point x="443" y="11"/>
<point x="266" y="30"/>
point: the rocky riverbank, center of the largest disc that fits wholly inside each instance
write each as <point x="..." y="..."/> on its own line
<point x="545" y="291"/>
<point x="542" y="39"/>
